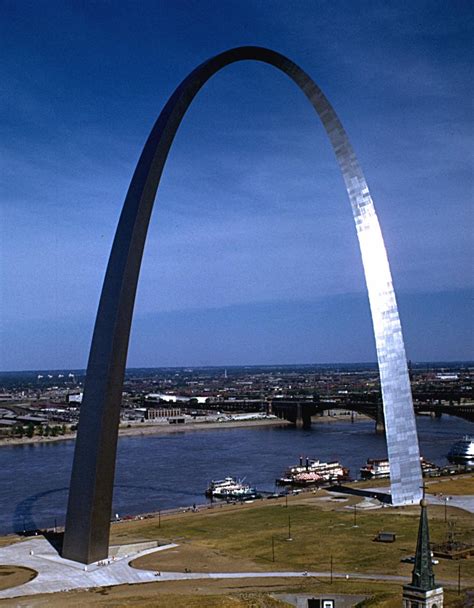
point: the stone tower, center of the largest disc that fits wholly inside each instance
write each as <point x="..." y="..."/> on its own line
<point x="422" y="592"/>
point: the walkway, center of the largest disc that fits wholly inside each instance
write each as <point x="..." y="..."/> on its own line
<point x="56" y="574"/>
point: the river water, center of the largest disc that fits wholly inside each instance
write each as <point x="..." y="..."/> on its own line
<point x="166" y="471"/>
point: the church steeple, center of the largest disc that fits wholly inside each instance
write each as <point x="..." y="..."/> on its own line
<point x="422" y="592"/>
<point x="422" y="576"/>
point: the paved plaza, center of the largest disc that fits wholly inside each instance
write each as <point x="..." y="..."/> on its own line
<point x="466" y="503"/>
<point x="57" y="574"/>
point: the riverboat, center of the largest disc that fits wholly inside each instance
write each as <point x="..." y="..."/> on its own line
<point x="231" y="489"/>
<point x="462" y="452"/>
<point x="380" y="469"/>
<point x="313" y="472"/>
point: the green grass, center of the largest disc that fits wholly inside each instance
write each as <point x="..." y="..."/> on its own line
<point x="246" y="534"/>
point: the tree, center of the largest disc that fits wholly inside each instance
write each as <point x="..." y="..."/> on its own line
<point x="30" y="430"/>
<point x="18" y="430"/>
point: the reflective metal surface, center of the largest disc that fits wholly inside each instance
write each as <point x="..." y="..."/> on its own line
<point x="90" y="497"/>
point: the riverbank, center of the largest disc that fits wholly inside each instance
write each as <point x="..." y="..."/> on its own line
<point x="150" y="428"/>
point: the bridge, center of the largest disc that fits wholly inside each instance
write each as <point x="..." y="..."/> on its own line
<point x="299" y="410"/>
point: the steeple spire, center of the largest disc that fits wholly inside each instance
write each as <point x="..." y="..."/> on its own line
<point x="422" y="576"/>
<point x="422" y="592"/>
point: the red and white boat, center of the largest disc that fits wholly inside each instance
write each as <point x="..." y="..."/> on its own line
<point x="313" y="472"/>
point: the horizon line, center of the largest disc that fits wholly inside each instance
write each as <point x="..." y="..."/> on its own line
<point x="438" y="362"/>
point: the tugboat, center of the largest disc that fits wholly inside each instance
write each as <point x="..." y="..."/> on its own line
<point x="380" y="469"/>
<point x="462" y="452"/>
<point x="231" y="489"/>
<point x="313" y="472"/>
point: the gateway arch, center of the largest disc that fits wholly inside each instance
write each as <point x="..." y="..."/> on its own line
<point x="86" y="537"/>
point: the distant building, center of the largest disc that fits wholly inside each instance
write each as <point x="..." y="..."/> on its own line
<point x="423" y="592"/>
<point x="74" y="398"/>
<point x="163" y="413"/>
<point x="447" y="377"/>
<point x="167" y="398"/>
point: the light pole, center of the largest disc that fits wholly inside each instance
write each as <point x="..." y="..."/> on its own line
<point x="446" y="498"/>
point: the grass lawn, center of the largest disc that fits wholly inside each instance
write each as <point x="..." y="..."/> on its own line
<point x="241" y="539"/>
<point x="451" y="486"/>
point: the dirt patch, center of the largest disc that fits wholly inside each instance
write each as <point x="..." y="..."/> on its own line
<point x="196" y="557"/>
<point x="12" y="576"/>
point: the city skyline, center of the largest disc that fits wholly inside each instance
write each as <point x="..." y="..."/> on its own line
<point x="240" y="266"/>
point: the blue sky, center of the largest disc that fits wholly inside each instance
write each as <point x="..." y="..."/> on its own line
<point x="252" y="255"/>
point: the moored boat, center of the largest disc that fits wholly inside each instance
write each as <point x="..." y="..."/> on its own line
<point x="231" y="489"/>
<point x="380" y="468"/>
<point x="313" y="472"/>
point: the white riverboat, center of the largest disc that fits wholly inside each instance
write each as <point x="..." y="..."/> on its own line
<point x="231" y="489"/>
<point x="380" y="468"/>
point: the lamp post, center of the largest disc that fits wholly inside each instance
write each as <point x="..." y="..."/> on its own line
<point x="446" y="498"/>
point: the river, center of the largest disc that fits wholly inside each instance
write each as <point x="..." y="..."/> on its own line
<point x="166" y="471"/>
